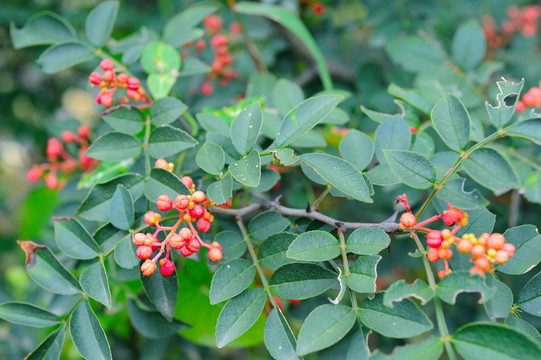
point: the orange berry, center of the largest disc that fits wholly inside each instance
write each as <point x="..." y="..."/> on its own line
<point x="138" y="239"/>
<point x="501" y="257"/>
<point x="495" y="241"/>
<point x="164" y="202"/>
<point x="478" y="251"/>
<point x="198" y="196"/>
<point x="476" y="270"/>
<point x="215" y="254"/>
<point x="182" y="202"/>
<point x="446" y="234"/>
<point x="433" y="255"/>
<point x="148" y="268"/>
<point x="176" y="241"/>
<point x="464" y="246"/>
<point x="482" y="240"/>
<point x="185" y="233"/>
<point x="483" y="263"/>
<point x="408" y="220"/>
<point x="162" y="164"/>
<point x="510" y="248"/>
<point x="193" y="245"/>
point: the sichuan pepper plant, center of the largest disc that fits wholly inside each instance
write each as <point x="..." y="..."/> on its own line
<point x="188" y="222"/>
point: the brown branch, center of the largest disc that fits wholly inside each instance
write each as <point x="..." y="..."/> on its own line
<point x="389" y="227"/>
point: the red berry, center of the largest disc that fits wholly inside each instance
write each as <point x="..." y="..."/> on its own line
<point x="200" y="45"/>
<point x="501" y="257"/>
<point x="162" y="164"/>
<point x="318" y="8"/>
<point x="477" y="270"/>
<point x="133" y="83"/>
<point x="185" y="252"/>
<point x="198" y="197"/>
<point x="206" y="88"/>
<point x="188" y="181"/>
<point x="452" y="216"/>
<point x="193" y="245"/>
<point x="213" y="23"/>
<point x="51" y="181"/>
<point x="54" y="148"/>
<point x="235" y="28"/>
<point x="151" y="217"/>
<point x="197" y="211"/>
<point x="106" y="64"/>
<point x="109" y="75"/>
<point x="483" y="263"/>
<point x="203" y="225"/>
<point x="434" y="239"/>
<point x="215" y="254"/>
<point x="150" y="239"/>
<point x="107" y="100"/>
<point x="433" y="255"/>
<point x="34" y="174"/>
<point x="148" y="268"/>
<point x="68" y="136"/>
<point x="464" y="246"/>
<point x="182" y="202"/>
<point x="122" y="78"/>
<point x="95" y="78"/>
<point x="144" y="252"/>
<point x="510" y="248"/>
<point x="408" y="220"/>
<point x="478" y="251"/>
<point x="167" y="267"/>
<point x="176" y="241"/>
<point x="164" y="203"/>
<point x="495" y="241"/>
<point x="138" y="239"/>
<point x="84" y="160"/>
<point x="185" y="233"/>
<point x="83" y="131"/>
<point x="218" y="40"/>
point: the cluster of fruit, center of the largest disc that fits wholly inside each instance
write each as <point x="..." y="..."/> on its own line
<point x="523" y="21"/>
<point x="110" y="82"/>
<point x="191" y="208"/>
<point x="60" y="160"/>
<point x="486" y="251"/>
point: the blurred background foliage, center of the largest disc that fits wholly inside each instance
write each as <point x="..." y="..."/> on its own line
<point x="352" y="35"/>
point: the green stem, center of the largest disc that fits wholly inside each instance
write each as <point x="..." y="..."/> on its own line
<point x="251" y="250"/>
<point x="459" y="162"/>
<point x="252" y="49"/>
<point x="318" y="201"/>
<point x="442" y="326"/>
<point x="344" y="254"/>
<point x="192" y="122"/>
<point x="145" y="146"/>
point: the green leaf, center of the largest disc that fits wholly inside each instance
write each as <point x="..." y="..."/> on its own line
<point x="357" y="149"/>
<point x="304" y="117"/>
<point x="272" y="253"/>
<point x="239" y="314"/>
<point x="166" y="110"/>
<point x="95" y="207"/>
<point x="121" y="213"/>
<point x="358" y="347"/>
<point x="64" y="55"/>
<point x="507" y="100"/>
<point x="27" y="314"/>
<point x="411" y="97"/>
<point x="247" y="170"/>
<point x="246" y="127"/>
<point x="266" y="224"/>
<point x="166" y="141"/>
<point x="314" y="245"/>
<point x="187" y="20"/>
<point x="105" y="171"/>
<point x="412" y="169"/>
<point x="469" y="45"/>
<point x="51" y="347"/>
<point x="107" y="237"/>
<point x="400" y="290"/>
<point x="453" y="192"/>
<point x="43" y="28"/>
<point x="160" y="85"/>
<point x="431" y="349"/>
<point x="286" y="157"/>
<point x="129" y="121"/>
<point x="527" y="242"/>
<point x="301" y="281"/>
<point x="489" y="168"/>
<point x="529" y="298"/>
<point x="87" y="334"/>
<point x="403" y="320"/>
<point x="211" y="158"/>
<point x="500" y="304"/>
<point x="100" y="22"/>
<point x="233" y="245"/>
<point x="367" y="241"/>
<point x="269" y="179"/>
<point x="325" y="325"/>
<point x="340" y="174"/>
<point x="414" y="53"/>
<point x="529" y="130"/>
<point x="463" y="281"/>
<point x="162" y="292"/>
<point x="194" y="66"/>
<point x="286" y="95"/>
<point x="125" y="254"/>
<point x="392" y="134"/>
<point x="231" y="279"/>
<point x="151" y="324"/>
<point x="452" y="122"/>
<point x="523" y="326"/>
<point x="213" y="123"/>
<point x="43" y="267"/>
<point x="221" y="191"/>
<point x="160" y="58"/>
<point x="296" y="26"/>
<point x="362" y="278"/>
<point x="382" y="175"/>
<point x="94" y="282"/>
<point x="532" y="188"/>
<point x="114" y="146"/>
<point x="279" y="339"/>
<point x="493" y="341"/>
<point x="165" y="182"/>
<point x="74" y="240"/>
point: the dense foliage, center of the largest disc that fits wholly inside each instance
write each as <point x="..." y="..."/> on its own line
<point x="322" y="180"/>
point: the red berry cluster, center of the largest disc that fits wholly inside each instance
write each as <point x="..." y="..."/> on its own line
<point x="486" y="250"/>
<point x="61" y="160"/>
<point x="523" y="21"/>
<point x="531" y="99"/>
<point x="192" y="208"/>
<point x="219" y="42"/>
<point x="110" y="82"/>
